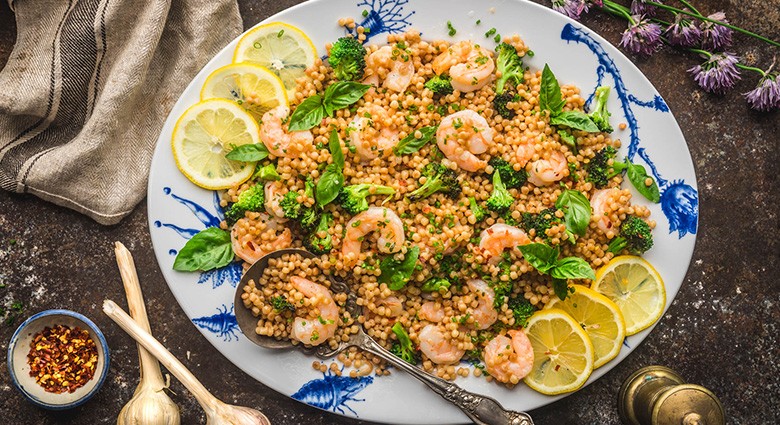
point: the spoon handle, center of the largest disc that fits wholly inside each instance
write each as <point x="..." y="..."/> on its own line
<point x="481" y="409"/>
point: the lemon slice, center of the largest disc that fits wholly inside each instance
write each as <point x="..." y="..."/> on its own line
<point x="202" y="137"/>
<point x="601" y="319"/>
<point x="254" y="87"/>
<point x="563" y="353"/>
<point x="280" y="47"/>
<point x="637" y="289"/>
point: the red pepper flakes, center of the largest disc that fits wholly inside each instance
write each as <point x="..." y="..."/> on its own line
<point x="62" y="359"/>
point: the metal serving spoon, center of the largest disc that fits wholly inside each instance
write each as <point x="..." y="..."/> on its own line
<point x="481" y="409"/>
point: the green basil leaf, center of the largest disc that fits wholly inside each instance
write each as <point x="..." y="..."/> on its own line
<point x="397" y="273"/>
<point x="576" y="210"/>
<point x="561" y="288"/>
<point x="335" y="149"/>
<point x="208" y="249"/>
<point x="572" y="268"/>
<point x="307" y="115"/>
<point x="542" y="257"/>
<point x="411" y="144"/>
<point x="575" y="120"/>
<point x="248" y="153"/>
<point x="342" y="94"/>
<point x="329" y="185"/>
<point x="550" y="98"/>
<point x="637" y="176"/>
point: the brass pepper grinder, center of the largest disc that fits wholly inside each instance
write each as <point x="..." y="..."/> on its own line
<point x="657" y="395"/>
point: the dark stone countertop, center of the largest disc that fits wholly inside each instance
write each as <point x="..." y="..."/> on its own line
<point x="721" y="330"/>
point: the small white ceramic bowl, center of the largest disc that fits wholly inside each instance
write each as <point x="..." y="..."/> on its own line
<point x="19" y="369"/>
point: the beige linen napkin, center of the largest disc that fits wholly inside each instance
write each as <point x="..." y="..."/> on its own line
<point x="86" y="90"/>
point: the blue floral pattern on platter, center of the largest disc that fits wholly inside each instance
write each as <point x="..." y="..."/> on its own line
<point x="340" y="393"/>
<point x="223" y="324"/>
<point x="384" y="16"/>
<point x="332" y="392"/>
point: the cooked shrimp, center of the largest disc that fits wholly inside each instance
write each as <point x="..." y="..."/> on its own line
<point x="524" y="153"/>
<point x="509" y="360"/>
<point x="436" y="345"/>
<point x="389" y="60"/>
<point x="261" y="237"/>
<point x="431" y="311"/>
<point x="391" y="232"/>
<point x="370" y="135"/>
<point x="546" y="171"/>
<point x="599" y="202"/>
<point x="469" y="65"/>
<point x="463" y="135"/>
<point x="279" y="141"/>
<point x="272" y="198"/>
<point x="393" y="306"/>
<point x="500" y="236"/>
<point x="484" y="314"/>
<point x="314" y="331"/>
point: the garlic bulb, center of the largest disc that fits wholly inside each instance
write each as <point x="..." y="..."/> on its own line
<point x="150" y="404"/>
<point x="217" y="412"/>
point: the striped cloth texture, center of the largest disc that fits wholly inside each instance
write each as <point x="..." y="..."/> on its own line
<point x="87" y="88"/>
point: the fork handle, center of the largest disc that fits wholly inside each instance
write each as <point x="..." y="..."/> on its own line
<point x="481" y="409"/>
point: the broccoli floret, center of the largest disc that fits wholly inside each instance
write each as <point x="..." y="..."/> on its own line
<point x="252" y="199"/>
<point x="522" y="310"/>
<point x="439" y="179"/>
<point x="509" y="177"/>
<point x="348" y="59"/>
<point x="509" y="64"/>
<point x="403" y="348"/>
<point x="320" y="244"/>
<point x="600" y="115"/>
<point x="309" y="218"/>
<point x="500" y="199"/>
<point x="280" y="304"/>
<point x="635" y="235"/>
<point x="353" y="198"/>
<point x="435" y="284"/>
<point x="267" y="173"/>
<point x="541" y="222"/>
<point x="598" y="168"/>
<point x="499" y="104"/>
<point x="306" y="217"/>
<point x="290" y="205"/>
<point x="479" y="212"/>
<point x="440" y="84"/>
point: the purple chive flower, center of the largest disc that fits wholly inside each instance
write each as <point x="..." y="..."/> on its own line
<point x="718" y="74"/>
<point x="574" y="8"/>
<point x="570" y="8"/>
<point x="683" y="32"/>
<point x="640" y="7"/>
<point x="766" y="96"/>
<point x="642" y="37"/>
<point x="714" y="36"/>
